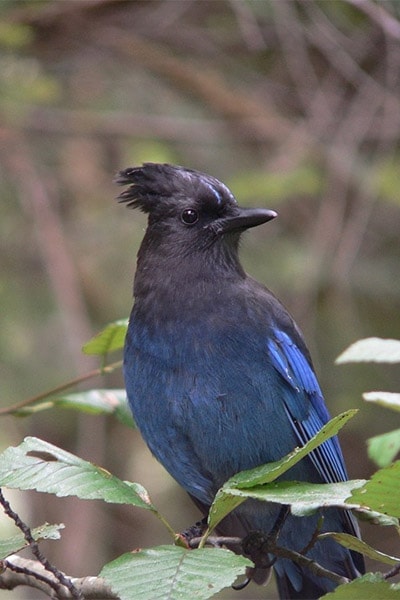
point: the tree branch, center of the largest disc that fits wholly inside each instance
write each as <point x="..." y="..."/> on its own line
<point x="22" y="571"/>
<point x="59" y="578"/>
<point x="258" y="547"/>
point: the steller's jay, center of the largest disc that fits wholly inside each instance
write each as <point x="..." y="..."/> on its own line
<point x="217" y="373"/>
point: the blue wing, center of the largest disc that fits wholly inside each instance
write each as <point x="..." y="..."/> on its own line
<point x="306" y="418"/>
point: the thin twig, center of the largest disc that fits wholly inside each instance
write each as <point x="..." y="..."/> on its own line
<point x="266" y="546"/>
<point x="27" y="573"/>
<point x="216" y="541"/>
<point x="8" y="410"/>
<point x="310" y="564"/>
<point x="314" y="537"/>
<point x="34" y="546"/>
<point x="393" y="572"/>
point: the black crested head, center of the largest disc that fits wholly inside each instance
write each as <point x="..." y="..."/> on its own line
<point x="155" y="186"/>
<point x="179" y="200"/>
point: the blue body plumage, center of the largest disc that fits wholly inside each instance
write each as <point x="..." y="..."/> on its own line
<point x="217" y="373"/>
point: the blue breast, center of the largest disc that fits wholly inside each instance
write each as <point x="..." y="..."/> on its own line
<point x="210" y="399"/>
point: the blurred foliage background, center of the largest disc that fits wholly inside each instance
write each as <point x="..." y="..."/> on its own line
<point x="294" y="104"/>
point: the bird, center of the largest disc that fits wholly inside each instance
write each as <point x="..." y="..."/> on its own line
<point x="217" y="373"/>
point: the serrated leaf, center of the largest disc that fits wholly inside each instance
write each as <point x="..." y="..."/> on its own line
<point x="371" y="350"/>
<point x="376" y="518"/>
<point x="101" y="401"/>
<point x="383" y="449"/>
<point x="111" y="338"/>
<point x="172" y="573"/>
<point x="303" y="498"/>
<point x="386" y="399"/>
<point x="223" y="504"/>
<point x="369" y="586"/>
<point x="381" y="492"/>
<point x="18" y="542"/>
<point x="353" y="543"/>
<point x="38" y="465"/>
<point x="271" y="471"/>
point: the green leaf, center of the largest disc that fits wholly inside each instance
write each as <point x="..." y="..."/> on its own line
<point x="269" y="472"/>
<point x="370" y="586"/>
<point x="223" y="504"/>
<point x="303" y="498"/>
<point x="371" y="350"/>
<point x="18" y="542"/>
<point x="353" y="543"/>
<point x="38" y="465"/>
<point x="93" y="401"/>
<point x="382" y="449"/>
<point x="386" y="399"/>
<point x="375" y="518"/>
<point x="171" y="572"/>
<point x="381" y="492"/>
<point x="108" y="340"/>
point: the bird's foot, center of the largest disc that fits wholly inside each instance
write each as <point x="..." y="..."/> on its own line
<point x="195" y="531"/>
<point x="256" y="545"/>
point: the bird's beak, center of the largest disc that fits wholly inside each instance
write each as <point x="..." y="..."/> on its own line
<point x="244" y="218"/>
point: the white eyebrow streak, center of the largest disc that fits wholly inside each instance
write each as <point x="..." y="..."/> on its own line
<point x="229" y="193"/>
<point x="215" y="192"/>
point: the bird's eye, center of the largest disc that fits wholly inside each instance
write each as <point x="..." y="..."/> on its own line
<point x="189" y="216"/>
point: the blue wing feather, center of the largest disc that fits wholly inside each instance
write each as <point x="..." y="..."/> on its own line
<point x="306" y="417"/>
